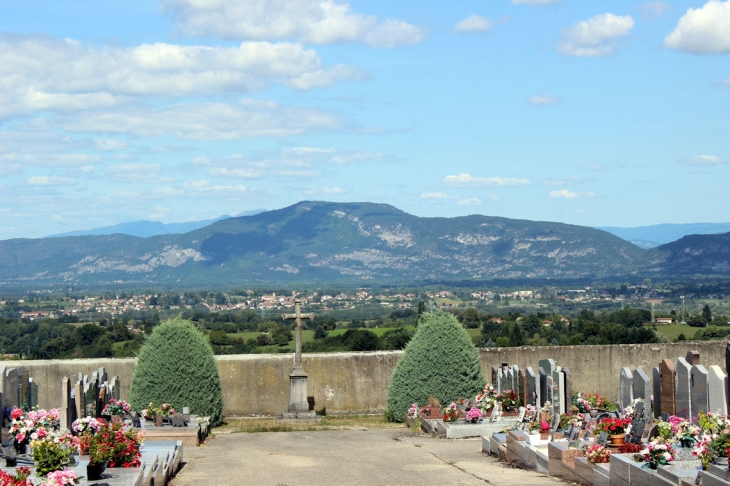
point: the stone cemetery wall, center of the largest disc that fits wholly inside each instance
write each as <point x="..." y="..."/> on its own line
<point x="258" y="384"/>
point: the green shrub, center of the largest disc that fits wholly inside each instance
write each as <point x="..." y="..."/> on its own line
<point x="439" y="361"/>
<point x="176" y="366"/>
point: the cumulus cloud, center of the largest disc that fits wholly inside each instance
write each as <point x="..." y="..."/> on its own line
<point x="564" y="182"/>
<point x="704" y="160"/>
<point x="134" y="173"/>
<point x="466" y="180"/>
<point x="474" y="201"/>
<point x="50" y="160"/>
<point x="566" y="194"/>
<point x="704" y="30"/>
<point x="434" y="196"/>
<point x="596" y="36"/>
<point x="543" y="100"/>
<point x="204" y="121"/>
<point x="655" y="9"/>
<point x="50" y="181"/>
<point x="308" y="21"/>
<point x="474" y="23"/>
<point x="111" y="145"/>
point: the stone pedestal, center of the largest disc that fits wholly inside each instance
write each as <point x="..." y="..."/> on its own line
<point x="298" y="404"/>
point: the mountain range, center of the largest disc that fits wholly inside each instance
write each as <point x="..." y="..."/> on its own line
<point x="324" y="242"/>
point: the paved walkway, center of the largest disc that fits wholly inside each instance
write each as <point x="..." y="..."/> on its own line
<point x="347" y="457"/>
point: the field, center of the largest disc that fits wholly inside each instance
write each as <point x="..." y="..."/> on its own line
<point x="673" y="331"/>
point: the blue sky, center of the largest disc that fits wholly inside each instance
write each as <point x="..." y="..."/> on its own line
<point x="600" y="113"/>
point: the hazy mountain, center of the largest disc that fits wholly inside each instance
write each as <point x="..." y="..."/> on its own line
<point x="694" y="254"/>
<point x="659" y="234"/>
<point x="151" y="228"/>
<point x="321" y="242"/>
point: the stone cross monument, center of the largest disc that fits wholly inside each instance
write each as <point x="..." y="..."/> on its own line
<point x="298" y="404"/>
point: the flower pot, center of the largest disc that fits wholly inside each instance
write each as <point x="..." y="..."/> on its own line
<point x="116" y="419"/>
<point x="617" y="439"/>
<point x="594" y="413"/>
<point x="158" y="420"/>
<point x="94" y="470"/>
<point x="720" y="461"/>
<point x="21" y="447"/>
<point x="10" y="461"/>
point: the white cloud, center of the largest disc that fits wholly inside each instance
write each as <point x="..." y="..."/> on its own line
<point x="7" y="169"/>
<point x="535" y="2"/>
<point x="50" y="181"/>
<point x="596" y="36"/>
<point x="204" y="121"/>
<point x="655" y="9"/>
<point x="474" y="23"/>
<point x="434" y="196"/>
<point x="43" y="73"/>
<point x="544" y="100"/>
<point x="239" y="173"/>
<point x="469" y="202"/>
<point x="564" y="182"/>
<point x="704" y="30"/>
<point x="566" y="194"/>
<point x="134" y="173"/>
<point x="111" y="145"/>
<point x="704" y="160"/>
<point x="50" y="160"/>
<point x="323" y="190"/>
<point x="308" y="21"/>
<point x="464" y="180"/>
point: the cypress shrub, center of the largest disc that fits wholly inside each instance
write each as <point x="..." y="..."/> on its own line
<point x="176" y="366"/>
<point x="440" y="361"/>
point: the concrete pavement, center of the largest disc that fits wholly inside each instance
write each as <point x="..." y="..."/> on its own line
<point x="347" y="457"/>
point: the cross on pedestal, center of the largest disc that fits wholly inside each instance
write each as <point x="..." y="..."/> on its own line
<point x="298" y="404"/>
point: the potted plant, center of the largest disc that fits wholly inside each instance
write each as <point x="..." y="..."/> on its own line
<point x="473" y="415"/>
<point x="19" y="478"/>
<point x="115" y="445"/>
<point x="598" y="454"/>
<point x="616" y="429"/>
<point x="451" y="413"/>
<point x="116" y="409"/>
<point x="50" y="454"/>
<point x="657" y="453"/>
<point x="157" y="414"/>
<point x="84" y="428"/>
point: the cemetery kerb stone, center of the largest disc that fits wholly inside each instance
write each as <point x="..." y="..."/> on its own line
<point x="642" y="389"/>
<point x="626" y="387"/>
<point x="717" y="385"/>
<point x="657" y="389"/>
<point x="668" y="387"/>
<point x="682" y="397"/>
<point x="698" y="389"/>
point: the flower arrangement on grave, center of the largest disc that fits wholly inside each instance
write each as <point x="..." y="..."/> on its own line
<point x="451" y="413"/>
<point x="717" y="428"/>
<point x="18" y="478"/>
<point x="578" y="420"/>
<point x="509" y="399"/>
<point x="487" y="399"/>
<point x="598" y="454"/>
<point x="702" y="451"/>
<point x="664" y="430"/>
<point x="84" y="428"/>
<point x="687" y="433"/>
<point x="534" y="427"/>
<point x="614" y="426"/>
<point x="116" y="444"/>
<point x="545" y="426"/>
<point x="674" y="421"/>
<point x="413" y="412"/>
<point x="116" y="407"/>
<point x="630" y="410"/>
<point x="473" y="415"/>
<point x="565" y="419"/>
<point x="152" y="411"/>
<point x="581" y="404"/>
<point x="630" y="448"/>
<point x="64" y="477"/>
<point x="657" y="453"/>
<point x="51" y="453"/>
<point x="33" y="425"/>
<point x="596" y="401"/>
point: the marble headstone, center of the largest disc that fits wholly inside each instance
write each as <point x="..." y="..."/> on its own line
<point x="558" y="392"/>
<point x="642" y="389"/>
<point x="668" y="388"/>
<point x="698" y="390"/>
<point x="682" y="395"/>
<point x="626" y="387"/>
<point x="717" y="385"/>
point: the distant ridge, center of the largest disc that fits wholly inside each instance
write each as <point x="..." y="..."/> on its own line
<point x="145" y="229"/>
<point x="659" y="234"/>
<point x="319" y="243"/>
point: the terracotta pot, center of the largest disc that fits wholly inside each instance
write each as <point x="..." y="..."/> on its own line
<point x="618" y="439"/>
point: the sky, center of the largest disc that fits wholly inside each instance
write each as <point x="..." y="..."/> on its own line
<point x="596" y="113"/>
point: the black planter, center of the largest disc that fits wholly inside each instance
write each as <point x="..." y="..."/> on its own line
<point x="95" y="470"/>
<point x="21" y="447"/>
<point x="10" y="461"/>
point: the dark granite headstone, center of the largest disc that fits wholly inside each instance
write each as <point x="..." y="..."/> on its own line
<point x="533" y="387"/>
<point x="637" y="431"/>
<point x="698" y="390"/>
<point x="657" y="389"/>
<point x="543" y="388"/>
<point x="522" y="379"/>
<point x="602" y="438"/>
<point x="568" y="391"/>
<point x="693" y="358"/>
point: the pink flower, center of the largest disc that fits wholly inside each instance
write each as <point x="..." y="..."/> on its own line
<point x="33" y="415"/>
<point x="20" y="437"/>
<point x="164" y="406"/>
<point x="16" y="413"/>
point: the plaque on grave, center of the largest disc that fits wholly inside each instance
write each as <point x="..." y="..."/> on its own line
<point x="568" y="430"/>
<point x="521" y="414"/>
<point x="637" y="431"/>
<point x="575" y="434"/>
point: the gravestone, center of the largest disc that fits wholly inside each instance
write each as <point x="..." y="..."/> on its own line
<point x="698" y="390"/>
<point x="516" y="379"/>
<point x="510" y="378"/>
<point x="548" y="365"/>
<point x="64" y="410"/>
<point x="626" y="387"/>
<point x="78" y="396"/>
<point x="602" y="438"/>
<point x="533" y="388"/>
<point x="693" y="358"/>
<point x="298" y="404"/>
<point x="558" y="391"/>
<point x="32" y="393"/>
<point x="642" y="389"/>
<point x="568" y="391"/>
<point x="496" y="373"/>
<point x="668" y="387"/>
<point x="506" y="382"/>
<point x="717" y="385"/>
<point x="544" y="390"/>
<point x="524" y="399"/>
<point x="24" y="389"/>
<point x="115" y="388"/>
<point x="657" y="388"/>
<point x="682" y="395"/>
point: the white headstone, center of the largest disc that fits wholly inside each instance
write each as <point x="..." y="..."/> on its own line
<point x="717" y="384"/>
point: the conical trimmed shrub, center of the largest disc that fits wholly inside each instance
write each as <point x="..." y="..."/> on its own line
<point x="439" y="361"/>
<point x="176" y="366"/>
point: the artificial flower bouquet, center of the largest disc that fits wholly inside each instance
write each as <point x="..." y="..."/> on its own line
<point x="117" y="445"/>
<point x="581" y="404"/>
<point x="598" y="454"/>
<point x="657" y="453"/>
<point x="614" y="426"/>
<point x="473" y="415"/>
<point x="117" y="407"/>
<point x="451" y="413"/>
<point x="32" y="425"/>
<point x="152" y="411"/>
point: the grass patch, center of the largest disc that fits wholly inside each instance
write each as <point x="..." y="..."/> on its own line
<point x="672" y="331"/>
<point x="329" y="422"/>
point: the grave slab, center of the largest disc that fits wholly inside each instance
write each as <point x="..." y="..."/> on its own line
<point x="680" y="470"/>
<point x="641" y="475"/>
<point x="461" y="430"/>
